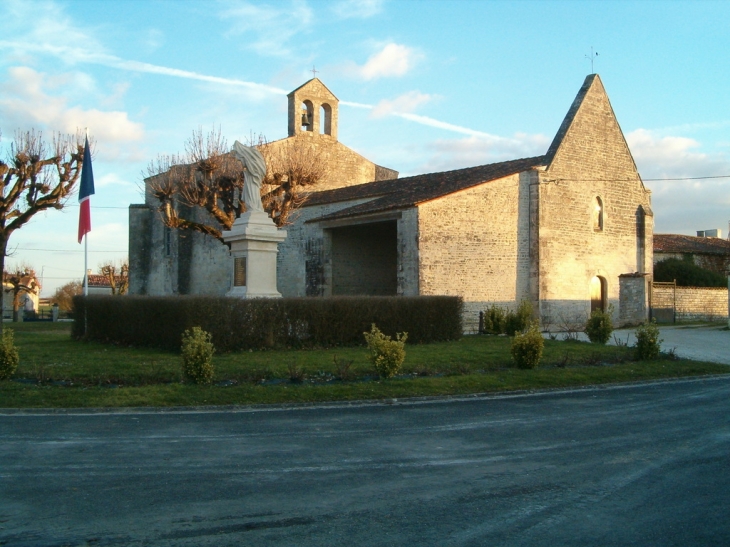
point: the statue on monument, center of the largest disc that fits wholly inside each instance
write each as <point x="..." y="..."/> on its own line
<point x="255" y="172"/>
<point x="253" y="238"/>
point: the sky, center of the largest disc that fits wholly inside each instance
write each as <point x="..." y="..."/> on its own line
<point x="423" y="86"/>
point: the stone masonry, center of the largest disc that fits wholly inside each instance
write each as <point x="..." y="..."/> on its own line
<point x="694" y="303"/>
<point x="167" y="261"/>
<point x="568" y="231"/>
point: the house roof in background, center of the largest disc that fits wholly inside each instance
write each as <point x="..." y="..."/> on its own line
<point x="676" y="243"/>
<point x="98" y="280"/>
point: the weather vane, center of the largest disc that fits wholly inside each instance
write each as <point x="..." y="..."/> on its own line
<point x="592" y="56"/>
<point x="314" y="71"/>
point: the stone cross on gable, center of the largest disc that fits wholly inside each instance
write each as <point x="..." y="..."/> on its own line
<point x="314" y="71"/>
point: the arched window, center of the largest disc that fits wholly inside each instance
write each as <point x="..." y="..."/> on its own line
<point x="307" y="116"/>
<point x="325" y="119"/>
<point x="598" y="214"/>
<point x="599" y="291"/>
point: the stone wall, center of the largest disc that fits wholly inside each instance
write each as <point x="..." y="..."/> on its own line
<point x="475" y="244"/>
<point x="694" y="303"/>
<point x="633" y="299"/>
<point x="315" y="254"/>
<point x="592" y="162"/>
<point x="185" y="262"/>
<point x="345" y="166"/>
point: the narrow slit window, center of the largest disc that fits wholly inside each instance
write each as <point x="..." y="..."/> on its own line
<point x="598" y="215"/>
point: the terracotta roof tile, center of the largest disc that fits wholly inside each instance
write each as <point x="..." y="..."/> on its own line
<point x="675" y="243"/>
<point x="98" y="280"/>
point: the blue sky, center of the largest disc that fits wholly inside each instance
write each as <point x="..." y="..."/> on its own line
<point x="424" y="86"/>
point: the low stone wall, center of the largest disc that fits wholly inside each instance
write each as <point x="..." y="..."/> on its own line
<point x="693" y="303"/>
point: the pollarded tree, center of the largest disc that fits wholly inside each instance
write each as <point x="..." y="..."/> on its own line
<point x="36" y="177"/>
<point x="117" y="275"/>
<point x="208" y="177"/>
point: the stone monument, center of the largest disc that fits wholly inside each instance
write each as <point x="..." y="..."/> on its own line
<point x="253" y="238"/>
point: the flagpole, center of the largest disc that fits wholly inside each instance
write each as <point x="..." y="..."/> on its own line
<point x="86" y="257"/>
<point x="86" y="265"/>
<point x="86" y="246"/>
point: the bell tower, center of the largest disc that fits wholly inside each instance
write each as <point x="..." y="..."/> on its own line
<point x="313" y="109"/>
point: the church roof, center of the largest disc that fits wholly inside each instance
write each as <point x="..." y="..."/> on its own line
<point x="569" y="117"/>
<point x="675" y="243"/>
<point x="309" y="82"/>
<point x="411" y="191"/>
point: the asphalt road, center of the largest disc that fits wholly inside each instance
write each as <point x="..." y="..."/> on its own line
<point x="638" y="465"/>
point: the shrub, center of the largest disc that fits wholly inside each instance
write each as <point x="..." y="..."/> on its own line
<point x="687" y="273"/>
<point x="9" y="357"/>
<point x="527" y="347"/>
<point x="237" y="323"/>
<point x="386" y="355"/>
<point x="497" y="320"/>
<point x="197" y="356"/>
<point x="599" y="326"/>
<point x="648" y="342"/>
<point x="343" y="369"/>
<point x="494" y="320"/>
<point x="518" y="321"/>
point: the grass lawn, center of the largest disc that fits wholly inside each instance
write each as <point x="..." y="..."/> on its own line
<point x="56" y="371"/>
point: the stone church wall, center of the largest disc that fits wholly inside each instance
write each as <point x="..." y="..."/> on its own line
<point x="475" y="244"/>
<point x="593" y="161"/>
<point x="308" y="265"/>
<point x="165" y="261"/>
<point x="345" y="166"/>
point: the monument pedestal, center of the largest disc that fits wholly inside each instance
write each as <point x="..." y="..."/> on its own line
<point x="254" y="240"/>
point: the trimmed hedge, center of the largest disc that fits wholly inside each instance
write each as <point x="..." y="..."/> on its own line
<point x="235" y="324"/>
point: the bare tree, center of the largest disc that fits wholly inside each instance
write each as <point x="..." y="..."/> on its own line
<point x="35" y="178"/>
<point x="117" y="275"/>
<point x="19" y="281"/>
<point x="208" y="177"/>
<point x="64" y="295"/>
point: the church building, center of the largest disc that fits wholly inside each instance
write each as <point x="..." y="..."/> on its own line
<point x="570" y="231"/>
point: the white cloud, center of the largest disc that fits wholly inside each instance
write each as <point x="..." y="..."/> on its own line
<point x="81" y="56"/>
<point x="673" y="157"/>
<point x="32" y="99"/>
<point x="447" y="154"/>
<point x="408" y="102"/>
<point x="682" y="206"/>
<point x="112" y="179"/>
<point x="271" y="26"/>
<point x="35" y="23"/>
<point x="357" y="9"/>
<point x="391" y="61"/>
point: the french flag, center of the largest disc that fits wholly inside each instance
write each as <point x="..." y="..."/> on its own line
<point x="85" y="192"/>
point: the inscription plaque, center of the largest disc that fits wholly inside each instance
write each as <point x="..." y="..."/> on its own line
<point x="239" y="271"/>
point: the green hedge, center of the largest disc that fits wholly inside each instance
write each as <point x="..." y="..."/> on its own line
<point x="159" y="321"/>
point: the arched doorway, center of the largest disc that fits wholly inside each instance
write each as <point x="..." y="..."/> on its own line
<point x="598" y="294"/>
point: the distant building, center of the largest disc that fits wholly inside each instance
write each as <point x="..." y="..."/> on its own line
<point x="27" y="300"/>
<point x="99" y="284"/>
<point x="709" y="252"/>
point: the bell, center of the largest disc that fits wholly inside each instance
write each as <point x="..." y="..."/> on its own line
<point x="305" y="118"/>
